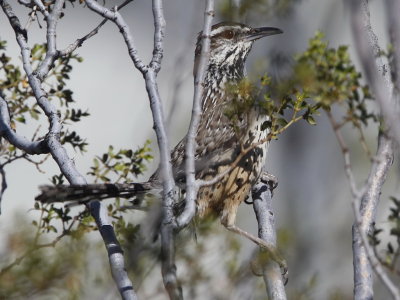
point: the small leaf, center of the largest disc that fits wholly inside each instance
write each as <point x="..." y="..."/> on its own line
<point x="310" y="120"/>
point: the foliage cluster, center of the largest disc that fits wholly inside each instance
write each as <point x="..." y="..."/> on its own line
<point x="322" y="77"/>
<point x="22" y="106"/>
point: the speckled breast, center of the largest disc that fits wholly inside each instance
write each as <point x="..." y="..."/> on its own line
<point x="224" y="197"/>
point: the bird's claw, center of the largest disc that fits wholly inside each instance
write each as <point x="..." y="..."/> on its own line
<point x="284" y="272"/>
<point x="269" y="179"/>
<point x="259" y="263"/>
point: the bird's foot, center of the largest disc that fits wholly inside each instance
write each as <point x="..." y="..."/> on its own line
<point x="270" y="251"/>
<point x="269" y="179"/>
<point x="262" y="263"/>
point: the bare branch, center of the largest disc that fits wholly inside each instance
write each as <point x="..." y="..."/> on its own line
<point x="168" y="224"/>
<point x="262" y="205"/>
<point x="376" y="71"/>
<point x="393" y="7"/>
<point x="365" y="203"/>
<point x="379" y="78"/>
<point x="346" y="156"/>
<point x="27" y="3"/>
<point x="191" y="185"/>
<point x="150" y="75"/>
<point x="365" y="255"/>
<point x="124" y="29"/>
<point x="114" y="250"/>
<point x="32" y="17"/>
<point x="52" y="52"/>
<point x="21" y="142"/>
<point x="159" y="32"/>
<point x="365" y="213"/>
<point x="41" y="7"/>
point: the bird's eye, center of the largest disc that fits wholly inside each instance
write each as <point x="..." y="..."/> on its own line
<point x="229" y="34"/>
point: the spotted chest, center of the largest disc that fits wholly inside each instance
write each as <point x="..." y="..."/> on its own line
<point x="219" y="147"/>
<point x="224" y="197"/>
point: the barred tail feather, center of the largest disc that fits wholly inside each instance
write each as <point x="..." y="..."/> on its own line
<point x="64" y="193"/>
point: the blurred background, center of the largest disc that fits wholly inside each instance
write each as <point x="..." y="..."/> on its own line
<point x="312" y="202"/>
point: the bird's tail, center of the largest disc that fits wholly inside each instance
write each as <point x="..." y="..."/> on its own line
<point x="83" y="193"/>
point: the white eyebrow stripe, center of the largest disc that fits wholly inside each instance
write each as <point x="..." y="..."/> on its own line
<point x="223" y="28"/>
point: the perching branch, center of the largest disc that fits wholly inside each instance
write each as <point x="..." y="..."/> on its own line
<point x="192" y="186"/>
<point x="262" y="205"/>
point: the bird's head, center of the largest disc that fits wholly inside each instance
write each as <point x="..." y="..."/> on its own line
<point x="230" y="43"/>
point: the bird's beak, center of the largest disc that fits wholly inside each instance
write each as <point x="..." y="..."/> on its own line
<point x="258" y="33"/>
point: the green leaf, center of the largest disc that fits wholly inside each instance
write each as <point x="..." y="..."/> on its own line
<point x="282" y="122"/>
<point x="20" y="119"/>
<point x="310" y="120"/>
<point x="119" y="167"/>
<point x="34" y="114"/>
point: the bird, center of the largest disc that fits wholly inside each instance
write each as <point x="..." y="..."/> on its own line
<point x="235" y="151"/>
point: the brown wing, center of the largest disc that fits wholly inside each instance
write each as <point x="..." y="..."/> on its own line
<point x="217" y="140"/>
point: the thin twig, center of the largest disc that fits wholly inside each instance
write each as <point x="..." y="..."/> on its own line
<point x="31" y="18"/>
<point x="190" y="149"/>
<point x="36" y="247"/>
<point x="116" y="17"/>
<point x="37" y="164"/>
<point x="346" y="156"/>
<point x="79" y="42"/>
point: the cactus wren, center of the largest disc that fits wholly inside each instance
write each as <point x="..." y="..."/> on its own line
<point x="219" y="144"/>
